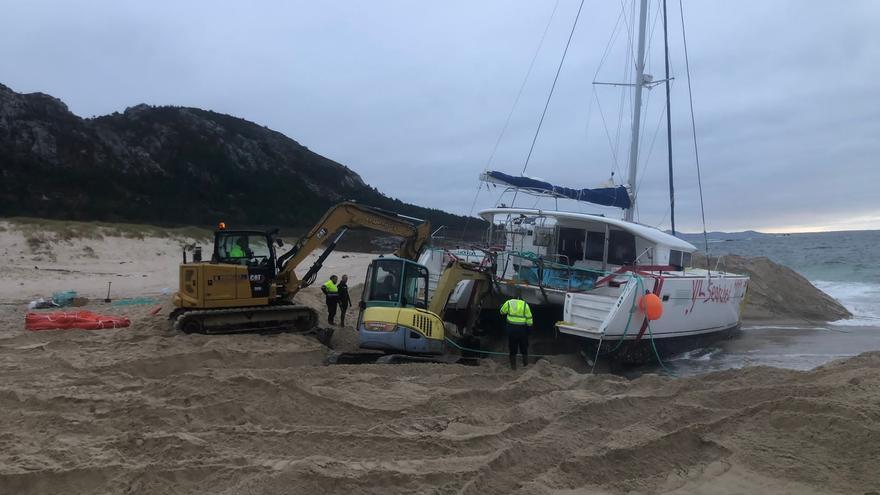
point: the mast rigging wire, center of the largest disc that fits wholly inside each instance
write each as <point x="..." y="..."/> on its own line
<point x="553" y="87"/>
<point x="522" y="86"/>
<point x="694" y="127"/>
<point x="510" y="115"/>
<point x="607" y="132"/>
<point x="644" y="165"/>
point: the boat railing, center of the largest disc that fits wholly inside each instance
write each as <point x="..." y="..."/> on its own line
<point x="436" y="233"/>
<point x="549" y="271"/>
<point x="647" y="250"/>
<point x="720" y="261"/>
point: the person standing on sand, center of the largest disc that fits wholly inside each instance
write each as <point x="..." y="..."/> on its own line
<point x="331" y="293"/>
<point x="518" y="323"/>
<point x="344" y="299"/>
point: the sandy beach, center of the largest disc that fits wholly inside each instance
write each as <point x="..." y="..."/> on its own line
<point x="147" y="410"/>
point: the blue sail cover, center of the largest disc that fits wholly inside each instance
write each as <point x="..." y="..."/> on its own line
<point x="606" y="196"/>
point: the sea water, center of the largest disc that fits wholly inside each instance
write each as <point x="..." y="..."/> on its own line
<point x="842" y="264"/>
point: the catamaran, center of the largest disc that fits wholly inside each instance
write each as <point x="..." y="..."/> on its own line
<point x="599" y="269"/>
<point x="597" y="273"/>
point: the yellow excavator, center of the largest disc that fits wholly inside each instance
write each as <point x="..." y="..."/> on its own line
<point x="246" y="287"/>
<point x="396" y="315"/>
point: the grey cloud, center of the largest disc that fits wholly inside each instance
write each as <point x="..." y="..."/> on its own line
<point x="412" y="95"/>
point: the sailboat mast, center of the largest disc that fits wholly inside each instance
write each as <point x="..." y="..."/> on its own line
<point x="668" y="122"/>
<point x="637" y="109"/>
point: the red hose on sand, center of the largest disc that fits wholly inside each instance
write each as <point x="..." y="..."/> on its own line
<point x="84" y="320"/>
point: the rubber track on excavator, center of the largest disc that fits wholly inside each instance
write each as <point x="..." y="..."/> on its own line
<point x="239" y="314"/>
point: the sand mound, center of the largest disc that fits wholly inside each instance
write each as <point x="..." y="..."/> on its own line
<point x="779" y="293"/>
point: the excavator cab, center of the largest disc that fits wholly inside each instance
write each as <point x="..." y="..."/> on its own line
<point x="396" y="282"/>
<point x="241" y="270"/>
<point x="252" y="249"/>
<point x="394" y="315"/>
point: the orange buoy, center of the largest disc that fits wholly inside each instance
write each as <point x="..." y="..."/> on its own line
<point x="652" y="306"/>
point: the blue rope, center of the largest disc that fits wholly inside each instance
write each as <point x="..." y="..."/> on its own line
<point x="640" y="288"/>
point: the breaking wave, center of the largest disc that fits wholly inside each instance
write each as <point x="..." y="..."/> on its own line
<point x="862" y="299"/>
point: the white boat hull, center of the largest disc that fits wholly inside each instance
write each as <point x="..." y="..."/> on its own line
<point x="696" y="306"/>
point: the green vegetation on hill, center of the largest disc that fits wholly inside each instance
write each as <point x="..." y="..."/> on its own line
<point x="171" y="166"/>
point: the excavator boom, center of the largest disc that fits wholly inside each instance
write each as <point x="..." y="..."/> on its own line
<point x="334" y="224"/>
<point x="455" y="272"/>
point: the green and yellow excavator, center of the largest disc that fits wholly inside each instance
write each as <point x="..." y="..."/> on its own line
<point x="246" y="287"/>
<point x="397" y="316"/>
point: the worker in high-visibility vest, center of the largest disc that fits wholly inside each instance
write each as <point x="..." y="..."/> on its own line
<point x="518" y="322"/>
<point x="331" y="294"/>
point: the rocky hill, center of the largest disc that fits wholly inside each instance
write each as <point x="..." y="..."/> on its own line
<point x="169" y="165"/>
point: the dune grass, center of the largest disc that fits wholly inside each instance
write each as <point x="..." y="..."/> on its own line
<point x="38" y="230"/>
<point x="40" y="233"/>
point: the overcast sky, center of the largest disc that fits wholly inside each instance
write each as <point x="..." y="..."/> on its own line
<point x="414" y="95"/>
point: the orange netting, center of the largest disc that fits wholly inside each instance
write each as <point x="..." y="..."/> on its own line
<point x="84" y="320"/>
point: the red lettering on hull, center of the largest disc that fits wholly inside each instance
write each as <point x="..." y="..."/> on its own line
<point x="714" y="294"/>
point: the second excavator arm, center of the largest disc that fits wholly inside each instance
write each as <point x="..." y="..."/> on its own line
<point x="334" y="224"/>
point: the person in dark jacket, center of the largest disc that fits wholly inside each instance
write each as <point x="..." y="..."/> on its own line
<point x="344" y="298"/>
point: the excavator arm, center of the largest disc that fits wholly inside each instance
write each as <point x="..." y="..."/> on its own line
<point x="334" y="224"/>
<point x="455" y="272"/>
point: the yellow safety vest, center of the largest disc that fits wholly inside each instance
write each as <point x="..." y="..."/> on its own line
<point x="330" y="288"/>
<point x="518" y="312"/>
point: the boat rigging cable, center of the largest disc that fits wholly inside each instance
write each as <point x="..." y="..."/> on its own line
<point x="694" y="128"/>
<point x="613" y="143"/>
<point x="510" y="114"/>
<point x="553" y="87"/>
<point x="522" y="87"/>
<point x="614" y="34"/>
<point x="629" y="66"/>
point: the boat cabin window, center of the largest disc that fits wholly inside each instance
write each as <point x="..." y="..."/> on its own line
<point x="679" y="259"/>
<point x="571" y="245"/>
<point x="595" y="246"/>
<point x="621" y="248"/>
<point x="543" y="236"/>
<point x="579" y="244"/>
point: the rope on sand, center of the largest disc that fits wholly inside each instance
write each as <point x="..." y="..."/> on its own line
<point x="491" y="353"/>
